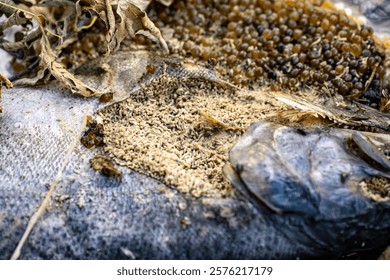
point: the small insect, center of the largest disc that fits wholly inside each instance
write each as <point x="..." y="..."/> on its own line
<point x="93" y="136"/>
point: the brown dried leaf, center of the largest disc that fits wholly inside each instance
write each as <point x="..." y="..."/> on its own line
<point x="48" y="61"/>
<point x="6" y="9"/>
<point x="58" y="24"/>
<point x="17" y="18"/>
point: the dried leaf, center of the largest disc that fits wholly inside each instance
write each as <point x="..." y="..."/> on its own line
<point x="48" y="61"/>
<point x="17" y="18"/>
<point x="40" y="76"/>
<point x="60" y="25"/>
<point x="110" y="24"/>
<point x="149" y="26"/>
<point x="25" y="43"/>
<point x="132" y="20"/>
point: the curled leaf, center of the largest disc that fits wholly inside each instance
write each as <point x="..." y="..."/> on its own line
<point x="166" y="2"/>
<point x="60" y="35"/>
<point x="123" y="18"/>
<point x="5" y="7"/>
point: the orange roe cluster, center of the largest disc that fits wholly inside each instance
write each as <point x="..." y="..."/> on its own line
<point x="287" y="44"/>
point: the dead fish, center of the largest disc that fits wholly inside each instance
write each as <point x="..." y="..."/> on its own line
<point x="309" y="182"/>
<point x="371" y="151"/>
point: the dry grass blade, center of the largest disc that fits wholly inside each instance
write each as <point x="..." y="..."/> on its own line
<point x="150" y="27"/>
<point x="110" y="24"/>
<point x="25" y="43"/>
<point x="17" y="18"/>
<point x="122" y="18"/>
<point x="7" y="83"/>
<point x="5" y="7"/>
